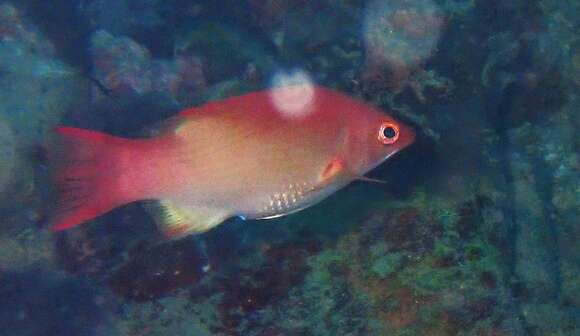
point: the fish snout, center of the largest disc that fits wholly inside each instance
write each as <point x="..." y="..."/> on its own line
<point x="406" y="137"/>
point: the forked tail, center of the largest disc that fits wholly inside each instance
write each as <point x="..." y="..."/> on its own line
<point x="86" y="167"/>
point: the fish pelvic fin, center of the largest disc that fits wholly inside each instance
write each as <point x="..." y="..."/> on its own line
<point x="85" y="168"/>
<point x="177" y="221"/>
<point x="368" y="179"/>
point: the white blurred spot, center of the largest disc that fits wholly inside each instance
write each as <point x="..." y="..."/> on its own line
<point x="401" y="32"/>
<point x="292" y="93"/>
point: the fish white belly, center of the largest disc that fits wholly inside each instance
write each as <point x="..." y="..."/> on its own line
<point x="291" y="198"/>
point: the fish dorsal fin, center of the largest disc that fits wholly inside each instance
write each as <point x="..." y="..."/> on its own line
<point x="177" y="221"/>
<point x="189" y="112"/>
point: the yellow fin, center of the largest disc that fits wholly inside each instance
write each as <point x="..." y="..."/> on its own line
<point x="177" y="221"/>
<point x="169" y="125"/>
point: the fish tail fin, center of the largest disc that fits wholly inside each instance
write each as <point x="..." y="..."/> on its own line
<point x="86" y="171"/>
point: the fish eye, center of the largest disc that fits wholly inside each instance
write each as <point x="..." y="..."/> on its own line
<point x="388" y="133"/>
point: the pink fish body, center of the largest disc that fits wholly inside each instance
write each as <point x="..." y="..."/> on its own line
<point x="257" y="156"/>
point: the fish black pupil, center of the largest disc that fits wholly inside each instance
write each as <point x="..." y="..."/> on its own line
<point x="389" y="132"/>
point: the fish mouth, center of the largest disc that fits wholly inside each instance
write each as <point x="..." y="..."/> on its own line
<point x="390" y="155"/>
<point x="407" y="137"/>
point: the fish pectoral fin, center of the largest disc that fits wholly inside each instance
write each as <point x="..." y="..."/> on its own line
<point x="333" y="169"/>
<point x="177" y="221"/>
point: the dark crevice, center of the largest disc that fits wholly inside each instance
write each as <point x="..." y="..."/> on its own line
<point x="511" y="227"/>
<point x="544" y="187"/>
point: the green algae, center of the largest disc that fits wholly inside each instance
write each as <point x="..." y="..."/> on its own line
<point x="386" y="265"/>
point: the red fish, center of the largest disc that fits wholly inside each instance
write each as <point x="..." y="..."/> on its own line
<point x="261" y="155"/>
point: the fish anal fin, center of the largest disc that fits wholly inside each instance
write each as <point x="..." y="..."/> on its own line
<point x="177" y="221"/>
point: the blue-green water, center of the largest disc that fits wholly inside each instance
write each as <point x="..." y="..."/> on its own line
<point x="475" y="233"/>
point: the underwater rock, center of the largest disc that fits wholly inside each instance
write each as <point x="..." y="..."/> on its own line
<point x="423" y="257"/>
<point x="227" y="54"/>
<point x="399" y="35"/>
<point x="541" y="150"/>
<point x="100" y="247"/>
<point x="125" y="67"/>
<point x="545" y="207"/>
<point x="25" y="249"/>
<point x="8" y="155"/>
<point x="259" y="288"/>
<point x="269" y="12"/>
<point x="29" y="68"/>
<point x="23" y="75"/>
<point x="14" y="28"/>
<point x="121" y="64"/>
<point x="321" y="37"/>
<point x="160" y="270"/>
<point x="54" y="306"/>
<point x="36" y="89"/>
<point x="80" y="252"/>
<point x="124" y="17"/>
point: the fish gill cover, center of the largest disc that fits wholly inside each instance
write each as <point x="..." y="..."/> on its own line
<point x="475" y="232"/>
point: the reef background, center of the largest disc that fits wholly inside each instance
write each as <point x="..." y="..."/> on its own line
<point x="476" y="232"/>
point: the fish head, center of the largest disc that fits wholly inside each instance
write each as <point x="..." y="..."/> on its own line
<point x="374" y="137"/>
